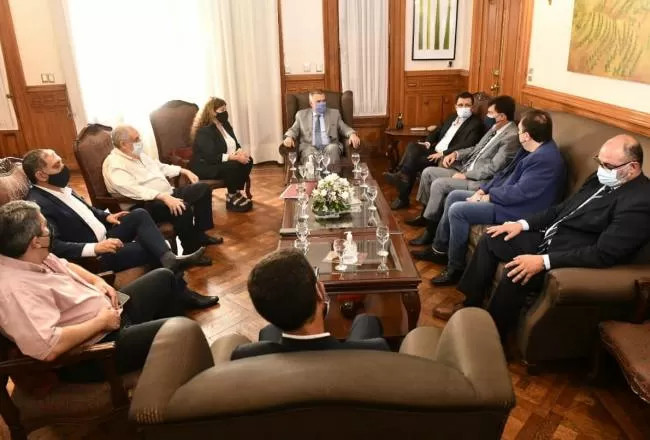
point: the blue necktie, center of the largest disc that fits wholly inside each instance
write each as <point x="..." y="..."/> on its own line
<point x="318" y="140"/>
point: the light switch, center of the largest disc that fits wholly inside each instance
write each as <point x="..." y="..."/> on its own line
<point x="319" y="67"/>
<point x="43" y="78"/>
<point x="306" y="67"/>
<point x="50" y="77"/>
<point x="287" y="69"/>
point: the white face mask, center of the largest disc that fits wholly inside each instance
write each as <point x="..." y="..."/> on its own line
<point x="463" y="112"/>
<point x="608" y="177"/>
<point x="138" y="147"/>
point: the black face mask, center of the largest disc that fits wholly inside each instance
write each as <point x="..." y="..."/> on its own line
<point x="489" y="122"/>
<point x="61" y="178"/>
<point x="222" y="117"/>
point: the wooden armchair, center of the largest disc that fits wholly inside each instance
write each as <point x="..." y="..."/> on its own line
<point x="40" y="399"/>
<point x="90" y="149"/>
<point x="172" y="124"/>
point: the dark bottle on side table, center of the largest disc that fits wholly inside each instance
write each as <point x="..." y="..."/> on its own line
<point x="400" y="121"/>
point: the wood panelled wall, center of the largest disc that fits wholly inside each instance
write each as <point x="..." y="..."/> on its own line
<point x="429" y="95"/>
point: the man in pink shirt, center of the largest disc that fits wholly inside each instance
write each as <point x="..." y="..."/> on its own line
<point x="49" y="306"/>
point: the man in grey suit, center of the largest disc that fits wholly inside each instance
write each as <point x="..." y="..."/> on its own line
<point x="468" y="168"/>
<point x="317" y="129"/>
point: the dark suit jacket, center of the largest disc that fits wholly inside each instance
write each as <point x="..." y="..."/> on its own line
<point x="529" y="184"/>
<point x="608" y="230"/>
<point x="69" y="232"/>
<point x="288" y="345"/>
<point x="467" y="135"/>
<point x="209" y="146"/>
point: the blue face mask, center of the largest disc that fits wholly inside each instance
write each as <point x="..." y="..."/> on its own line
<point x="138" y="147"/>
<point x="608" y="177"/>
<point x="320" y="108"/>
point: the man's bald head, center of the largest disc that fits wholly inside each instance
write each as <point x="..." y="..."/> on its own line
<point x="123" y="138"/>
<point x="623" y="153"/>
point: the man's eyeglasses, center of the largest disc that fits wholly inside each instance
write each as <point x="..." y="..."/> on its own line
<point x="610" y="166"/>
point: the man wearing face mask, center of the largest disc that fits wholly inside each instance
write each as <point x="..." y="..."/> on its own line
<point x="317" y="130"/>
<point x="468" y="168"/>
<point x="49" y="306"/>
<point x="130" y="172"/>
<point x="286" y="292"/>
<point x="529" y="184"/>
<point x="120" y="241"/>
<point x="461" y="130"/>
<point x="605" y="223"/>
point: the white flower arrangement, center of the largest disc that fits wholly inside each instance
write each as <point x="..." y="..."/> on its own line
<point x="331" y="195"/>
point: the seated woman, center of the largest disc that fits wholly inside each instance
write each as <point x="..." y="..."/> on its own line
<point x="216" y="154"/>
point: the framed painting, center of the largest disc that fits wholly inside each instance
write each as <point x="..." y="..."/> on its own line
<point x="434" y="29"/>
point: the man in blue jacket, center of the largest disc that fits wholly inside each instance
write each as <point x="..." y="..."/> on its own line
<point x="530" y="183"/>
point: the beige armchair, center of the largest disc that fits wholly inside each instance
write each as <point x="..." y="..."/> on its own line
<point x="450" y="383"/>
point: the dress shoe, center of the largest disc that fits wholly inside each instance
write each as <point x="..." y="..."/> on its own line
<point x="448" y="277"/>
<point x="177" y="264"/>
<point x="445" y="312"/>
<point x="425" y="255"/>
<point x="423" y="239"/>
<point x="417" y="221"/>
<point x="399" y="204"/>
<point x="207" y="240"/>
<point x="195" y="300"/>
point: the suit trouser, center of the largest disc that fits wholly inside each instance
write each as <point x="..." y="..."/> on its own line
<point x="333" y="150"/>
<point x="197" y="216"/>
<point x="414" y="161"/>
<point x="234" y="173"/>
<point x="509" y="298"/>
<point x="363" y="327"/>
<point x="144" y="244"/>
<point x="154" y="297"/>
<point x="435" y="184"/>
<point x="457" y="219"/>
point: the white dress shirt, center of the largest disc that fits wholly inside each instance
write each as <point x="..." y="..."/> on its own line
<point x="443" y="144"/>
<point x="231" y="145"/>
<point x="139" y="179"/>
<point x="496" y="135"/>
<point x="80" y="208"/>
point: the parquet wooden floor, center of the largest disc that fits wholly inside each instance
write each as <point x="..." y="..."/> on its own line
<point x="558" y="404"/>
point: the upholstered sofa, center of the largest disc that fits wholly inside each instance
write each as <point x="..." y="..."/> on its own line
<point x="450" y="383"/>
<point x="563" y="322"/>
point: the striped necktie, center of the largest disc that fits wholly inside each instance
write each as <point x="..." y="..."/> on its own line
<point x="552" y="230"/>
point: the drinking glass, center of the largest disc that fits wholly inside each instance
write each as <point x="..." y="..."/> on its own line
<point x="292" y="158"/>
<point x="303" y="200"/>
<point x="302" y="231"/>
<point x="356" y="158"/>
<point x="318" y="158"/>
<point x="326" y="161"/>
<point x="339" y="247"/>
<point x="364" y="174"/>
<point x="302" y="246"/>
<point x="302" y="170"/>
<point x="383" y="234"/>
<point x="371" y="193"/>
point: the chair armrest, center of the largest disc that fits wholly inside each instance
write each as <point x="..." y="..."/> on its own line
<point x="471" y="344"/>
<point x="571" y="285"/>
<point x="421" y="342"/>
<point x="178" y="353"/>
<point x="223" y="347"/>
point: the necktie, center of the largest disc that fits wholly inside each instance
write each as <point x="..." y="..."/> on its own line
<point x="488" y="137"/>
<point x="318" y="140"/>
<point x="552" y="230"/>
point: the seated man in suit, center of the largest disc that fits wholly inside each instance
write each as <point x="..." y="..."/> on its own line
<point x="131" y="173"/>
<point x="285" y="291"/>
<point x="605" y="223"/>
<point x="468" y="168"/>
<point x="120" y="241"/>
<point x="529" y="184"/>
<point x="462" y="130"/>
<point x="49" y="306"/>
<point x="317" y="129"/>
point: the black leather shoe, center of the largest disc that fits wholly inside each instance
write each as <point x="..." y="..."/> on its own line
<point x="195" y="300"/>
<point x="177" y="264"/>
<point x="417" y="221"/>
<point x="207" y="240"/>
<point x="424" y="238"/>
<point x="448" y="277"/>
<point x="399" y="204"/>
<point x="425" y="255"/>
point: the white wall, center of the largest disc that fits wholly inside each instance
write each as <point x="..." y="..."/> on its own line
<point x="36" y="40"/>
<point x="549" y="57"/>
<point x="302" y="35"/>
<point x="463" y="40"/>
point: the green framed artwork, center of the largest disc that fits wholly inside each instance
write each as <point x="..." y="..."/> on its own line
<point x="611" y="39"/>
<point x="434" y="29"/>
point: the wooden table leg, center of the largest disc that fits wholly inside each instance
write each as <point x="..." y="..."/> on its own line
<point x="411" y="301"/>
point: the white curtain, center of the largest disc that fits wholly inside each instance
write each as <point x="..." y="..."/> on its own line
<point x="131" y="56"/>
<point x="363" y="38"/>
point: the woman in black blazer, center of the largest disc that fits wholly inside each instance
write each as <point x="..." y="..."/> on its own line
<point x="216" y="154"/>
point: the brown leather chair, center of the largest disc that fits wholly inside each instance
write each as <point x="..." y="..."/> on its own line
<point x="450" y="383"/>
<point x="90" y="149"/>
<point x="172" y="124"/>
<point x="563" y="322"/>
<point x="343" y="102"/>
